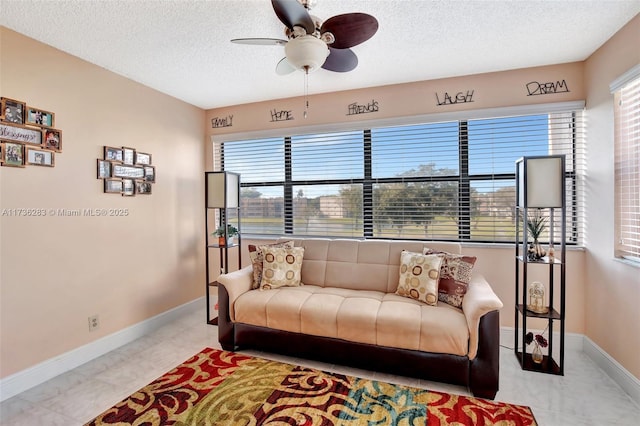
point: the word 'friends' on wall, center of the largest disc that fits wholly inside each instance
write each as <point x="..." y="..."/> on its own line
<point x="355" y="108"/>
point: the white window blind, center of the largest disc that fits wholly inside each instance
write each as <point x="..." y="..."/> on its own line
<point x="452" y="180"/>
<point x="627" y="169"/>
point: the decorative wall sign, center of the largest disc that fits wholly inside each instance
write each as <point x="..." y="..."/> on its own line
<point x="458" y="98"/>
<point x="20" y="134"/>
<point x="355" y="108"/>
<point x="218" y="122"/>
<point x="282" y="115"/>
<point x="534" y="88"/>
<point x="126" y="171"/>
<point x="27" y="136"/>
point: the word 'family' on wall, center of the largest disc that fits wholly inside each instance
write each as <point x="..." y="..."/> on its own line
<point x="126" y="171"/>
<point x="218" y="122"/>
<point x="27" y="136"/>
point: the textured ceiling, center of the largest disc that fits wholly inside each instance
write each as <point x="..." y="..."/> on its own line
<point x="182" y="48"/>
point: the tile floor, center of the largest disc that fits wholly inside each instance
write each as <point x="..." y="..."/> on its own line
<point x="584" y="396"/>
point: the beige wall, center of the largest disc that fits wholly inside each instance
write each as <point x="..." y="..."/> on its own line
<point x="612" y="287"/>
<point x="57" y="271"/>
<point x="491" y="90"/>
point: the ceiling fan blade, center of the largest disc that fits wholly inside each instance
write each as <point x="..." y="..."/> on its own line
<point x="284" y="67"/>
<point x="340" y="60"/>
<point x="291" y="14"/>
<point x="260" y="41"/>
<point x="350" y="29"/>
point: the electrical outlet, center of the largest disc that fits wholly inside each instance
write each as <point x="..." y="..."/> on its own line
<point x="94" y="323"/>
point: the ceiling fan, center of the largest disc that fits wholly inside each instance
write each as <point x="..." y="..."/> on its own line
<point x="313" y="44"/>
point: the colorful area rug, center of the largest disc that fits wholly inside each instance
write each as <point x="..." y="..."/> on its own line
<point x="223" y="388"/>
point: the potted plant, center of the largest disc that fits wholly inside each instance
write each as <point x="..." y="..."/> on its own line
<point x="232" y="231"/>
<point x="536" y="226"/>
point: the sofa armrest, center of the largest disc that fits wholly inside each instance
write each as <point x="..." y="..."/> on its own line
<point x="236" y="283"/>
<point x="479" y="300"/>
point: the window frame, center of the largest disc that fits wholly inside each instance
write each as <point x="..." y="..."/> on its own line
<point x="463" y="178"/>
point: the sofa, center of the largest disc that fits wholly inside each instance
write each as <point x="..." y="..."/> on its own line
<point x="347" y="310"/>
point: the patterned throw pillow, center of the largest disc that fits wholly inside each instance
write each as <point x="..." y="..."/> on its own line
<point x="419" y="276"/>
<point x="455" y="275"/>
<point x="281" y="267"/>
<point x="255" y="253"/>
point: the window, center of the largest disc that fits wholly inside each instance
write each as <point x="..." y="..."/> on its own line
<point x="451" y="180"/>
<point x="627" y="164"/>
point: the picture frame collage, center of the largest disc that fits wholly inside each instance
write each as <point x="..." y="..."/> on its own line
<point x="28" y="136"/>
<point x="126" y="171"/>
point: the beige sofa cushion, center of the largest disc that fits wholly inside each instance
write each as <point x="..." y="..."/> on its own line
<point x="372" y="317"/>
<point x="419" y="276"/>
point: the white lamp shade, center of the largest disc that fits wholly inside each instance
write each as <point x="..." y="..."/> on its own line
<point x="306" y="51"/>
<point x="222" y="190"/>
<point x="541" y="181"/>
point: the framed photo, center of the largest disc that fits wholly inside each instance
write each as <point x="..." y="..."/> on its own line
<point x="142" y="158"/>
<point x="12" y="154"/>
<point x="130" y="172"/>
<point x="19" y="133"/>
<point x="39" y="117"/>
<point x="128" y="155"/>
<point x="39" y="157"/>
<point x="143" y="187"/>
<point x="113" y="186"/>
<point x="12" y="111"/>
<point x="149" y="174"/>
<point x="128" y="187"/>
<point x="104" y="169"/>
<point x="113" y="154"/>
<point x="53" y="139"/>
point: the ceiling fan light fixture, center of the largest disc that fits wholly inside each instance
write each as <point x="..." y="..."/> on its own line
<point x="327" y="37"/>
<point x="306" y="53"/>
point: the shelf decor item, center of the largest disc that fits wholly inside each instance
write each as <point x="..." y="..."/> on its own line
<point x="536" y="225"/>
<point x="541" y="215"/>
<point x="232" y="231"/>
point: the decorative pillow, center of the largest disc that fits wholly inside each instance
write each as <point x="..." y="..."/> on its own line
<point x="255" y="253"/>
<point x="455" y="274"/>
<point x="281" y="267"/>
<point x="419" y="276"/>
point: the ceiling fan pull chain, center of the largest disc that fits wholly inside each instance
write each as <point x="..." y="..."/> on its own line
<point x="306" y="91"/>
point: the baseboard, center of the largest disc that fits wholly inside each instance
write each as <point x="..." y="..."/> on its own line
<point x="617" y="372"/>
<point x="579" y="342"/>
<point x="40" y="373"/>
<point x="572" y="341"/>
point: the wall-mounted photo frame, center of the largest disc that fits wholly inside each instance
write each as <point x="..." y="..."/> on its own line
<point x="128" y="156"/>
<point x="143" y="158"/>
<point x="113" y="186"/>
<point x="113" y="154"/>
<point x="53" y="139"/>
<point x="18" y="133"/>
<point x="12" y="154"/>
<point x="150" y="174"/>
<point x="124" y="171"/>
<point x="104" y="169"/>
<point x="12" y="111"/>
<point x="39" y="117"/>
<point x="128" y="188"/>
<point x="39" y="157"/>
<point x="143" y="187"/>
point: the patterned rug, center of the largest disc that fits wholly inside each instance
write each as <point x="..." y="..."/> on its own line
<point x="223" y="388"/>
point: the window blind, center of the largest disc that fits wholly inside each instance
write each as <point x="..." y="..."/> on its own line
<point x="452" y="180"/>
<point x="627" y="170"/>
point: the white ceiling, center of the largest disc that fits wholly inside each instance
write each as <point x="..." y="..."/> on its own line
<point x="182" y="48"/>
